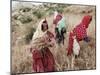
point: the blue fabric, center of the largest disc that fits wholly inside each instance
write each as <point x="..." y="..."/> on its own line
<point x="61" y="24"/>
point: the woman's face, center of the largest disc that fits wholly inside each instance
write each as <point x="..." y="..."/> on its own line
<point x="44" y="26"/>
<point x="58" y="18"/>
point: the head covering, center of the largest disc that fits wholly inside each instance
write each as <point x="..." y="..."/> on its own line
<point x="43" y="61"/>
<point x="86" y="20"/>
<point x="39" y="33"/>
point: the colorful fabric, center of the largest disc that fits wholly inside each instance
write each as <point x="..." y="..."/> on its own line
<point x="60" y="28"/>
<point x="61" y="24"/>
<point x="70" y="44"/>
<point x="79" y="31"/>
<point x="37" y="61"/>
<point x="43" y="60"/>
<point x="57" y="19"/>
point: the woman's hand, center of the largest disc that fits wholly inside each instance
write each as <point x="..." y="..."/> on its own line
<point x="29" y="48"/>
<point x="52" y="43"/>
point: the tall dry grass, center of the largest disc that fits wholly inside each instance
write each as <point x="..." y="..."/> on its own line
<point x="24" y="25"/>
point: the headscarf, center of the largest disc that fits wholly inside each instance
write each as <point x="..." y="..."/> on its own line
<point x="38" y="40"/>
<point x="41" y="38"/>
<point x="39" y="33"/>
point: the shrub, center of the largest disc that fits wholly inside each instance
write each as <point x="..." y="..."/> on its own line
<point x="24" y="19"/>
<point x="30" y="34"/>
<point x="38" y="14"/>
<point x="59" y="9"/>
<point x="25" y="9"/>
<point x="15" y="17"/>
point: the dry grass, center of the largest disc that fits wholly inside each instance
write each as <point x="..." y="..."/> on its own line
<point x="21" y="56"/>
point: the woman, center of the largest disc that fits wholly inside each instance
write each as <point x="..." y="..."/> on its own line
<point x="80" y="31"/>
<point x="43" y="60"/>
<point x="60" y="27"/>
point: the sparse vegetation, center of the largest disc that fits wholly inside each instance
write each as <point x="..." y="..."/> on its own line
<point x="38" y="14"/>
<point x="25" y="19"/>
<point x="25" y="9"/>
<point x="29" y="35"/>
<point x="24" y="25"/>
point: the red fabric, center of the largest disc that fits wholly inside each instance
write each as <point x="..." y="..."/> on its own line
<point x="86" y="20"/>
<point x="37" y="64"/>
<point x="43" y="60"/>
<point x="79" y="31"/>
<point x="48" y="60"/>
<point x="51" y="35"/>
<point x="70" y="44"/>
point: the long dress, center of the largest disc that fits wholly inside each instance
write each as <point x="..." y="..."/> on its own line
<point x="43" y="60"/>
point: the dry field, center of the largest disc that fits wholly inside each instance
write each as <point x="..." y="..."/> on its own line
<point x="25" y="19"/>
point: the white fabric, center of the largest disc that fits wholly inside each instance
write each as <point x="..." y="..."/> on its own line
<point x="76" y="47"/>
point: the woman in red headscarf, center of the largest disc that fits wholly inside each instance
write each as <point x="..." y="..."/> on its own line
<point x="43" y="60"/>
<point x="80" y="31"/>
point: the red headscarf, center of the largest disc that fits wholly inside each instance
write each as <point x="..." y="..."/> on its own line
<point x="79" y="31"/>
